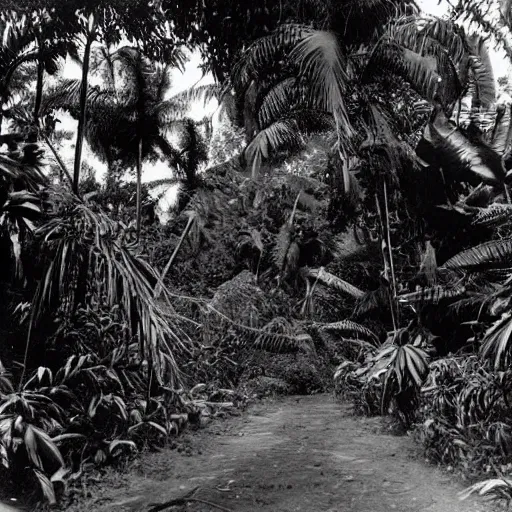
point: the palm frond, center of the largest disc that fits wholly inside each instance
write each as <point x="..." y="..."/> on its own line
<point x="370" y="301"/>
<point x="67" y="96"/>
<point x="332" y="281"/>
<point x="494" y="488"/>
<point x="321" y="62"/>
<point x="268" y="49"/>
<point x="432" y="48"/>
<point x="420" y="71"/>
<point x="284" y="131"/>
<point x="277" y="101"/>
<point x="172" y="110"/>
<point x="493" y="254"/>
<point x="475" y="301"/>
<point x="23" y="166"/>
<point x="204" y="93"/>
<point x="17" y="216"/>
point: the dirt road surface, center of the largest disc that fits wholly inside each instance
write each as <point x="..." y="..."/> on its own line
<point x="306" y="454"/>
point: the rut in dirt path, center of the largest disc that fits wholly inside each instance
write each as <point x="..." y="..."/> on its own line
<point x="305" y="454"/>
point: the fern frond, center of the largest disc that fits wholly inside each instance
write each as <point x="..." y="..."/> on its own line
<point x="350" y="327"/>
<point x="493" y="254"/>
<point x="493" y="215"/>
<point x="282" y="335"/>
<point x="431" y="295"/>
<point x="332" y="281"/>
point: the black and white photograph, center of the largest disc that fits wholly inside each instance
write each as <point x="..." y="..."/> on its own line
<point x="255" y="256"/>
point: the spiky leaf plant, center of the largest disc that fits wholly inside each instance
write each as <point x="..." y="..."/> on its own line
<point x="87" y="260"/>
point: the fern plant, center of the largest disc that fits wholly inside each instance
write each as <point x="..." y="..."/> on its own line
<point x="281" y="334"/>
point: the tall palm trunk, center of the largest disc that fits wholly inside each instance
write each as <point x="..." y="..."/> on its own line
<point x="40" y="78"/>
<point x="139" y="188"/>
<point x="83" y="105"/>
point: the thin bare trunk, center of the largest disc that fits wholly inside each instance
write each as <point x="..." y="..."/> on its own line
<point x="390" y="249"/>
<point x="186" y="231"/>
<point x="139" y="188"/>
<point x="40" y="78"/>
<point x="83" y="109"/>
<point x="62" y="165"/>
<point x="385" y="259"/>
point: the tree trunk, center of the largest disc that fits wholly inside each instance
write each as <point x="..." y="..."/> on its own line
<point x="40" y="78"/>
<point x="83" y="109"/>
<point x="139" y="188"/>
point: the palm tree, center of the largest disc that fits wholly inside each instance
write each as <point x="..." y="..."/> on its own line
<point x="29" y="40"/>
<point x="130" y="116"/>
<point x="303" y="69"/>
<point x="300" y="74"/>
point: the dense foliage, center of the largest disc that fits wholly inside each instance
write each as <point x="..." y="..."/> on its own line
<point x="348" y="215"/>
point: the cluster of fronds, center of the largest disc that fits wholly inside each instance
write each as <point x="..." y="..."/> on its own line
<point x="87" y="256"/>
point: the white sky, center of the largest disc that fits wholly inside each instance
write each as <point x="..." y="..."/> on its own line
<point x="191" y="76"/>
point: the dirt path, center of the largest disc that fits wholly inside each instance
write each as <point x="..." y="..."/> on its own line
<point x="304" y="454"/>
